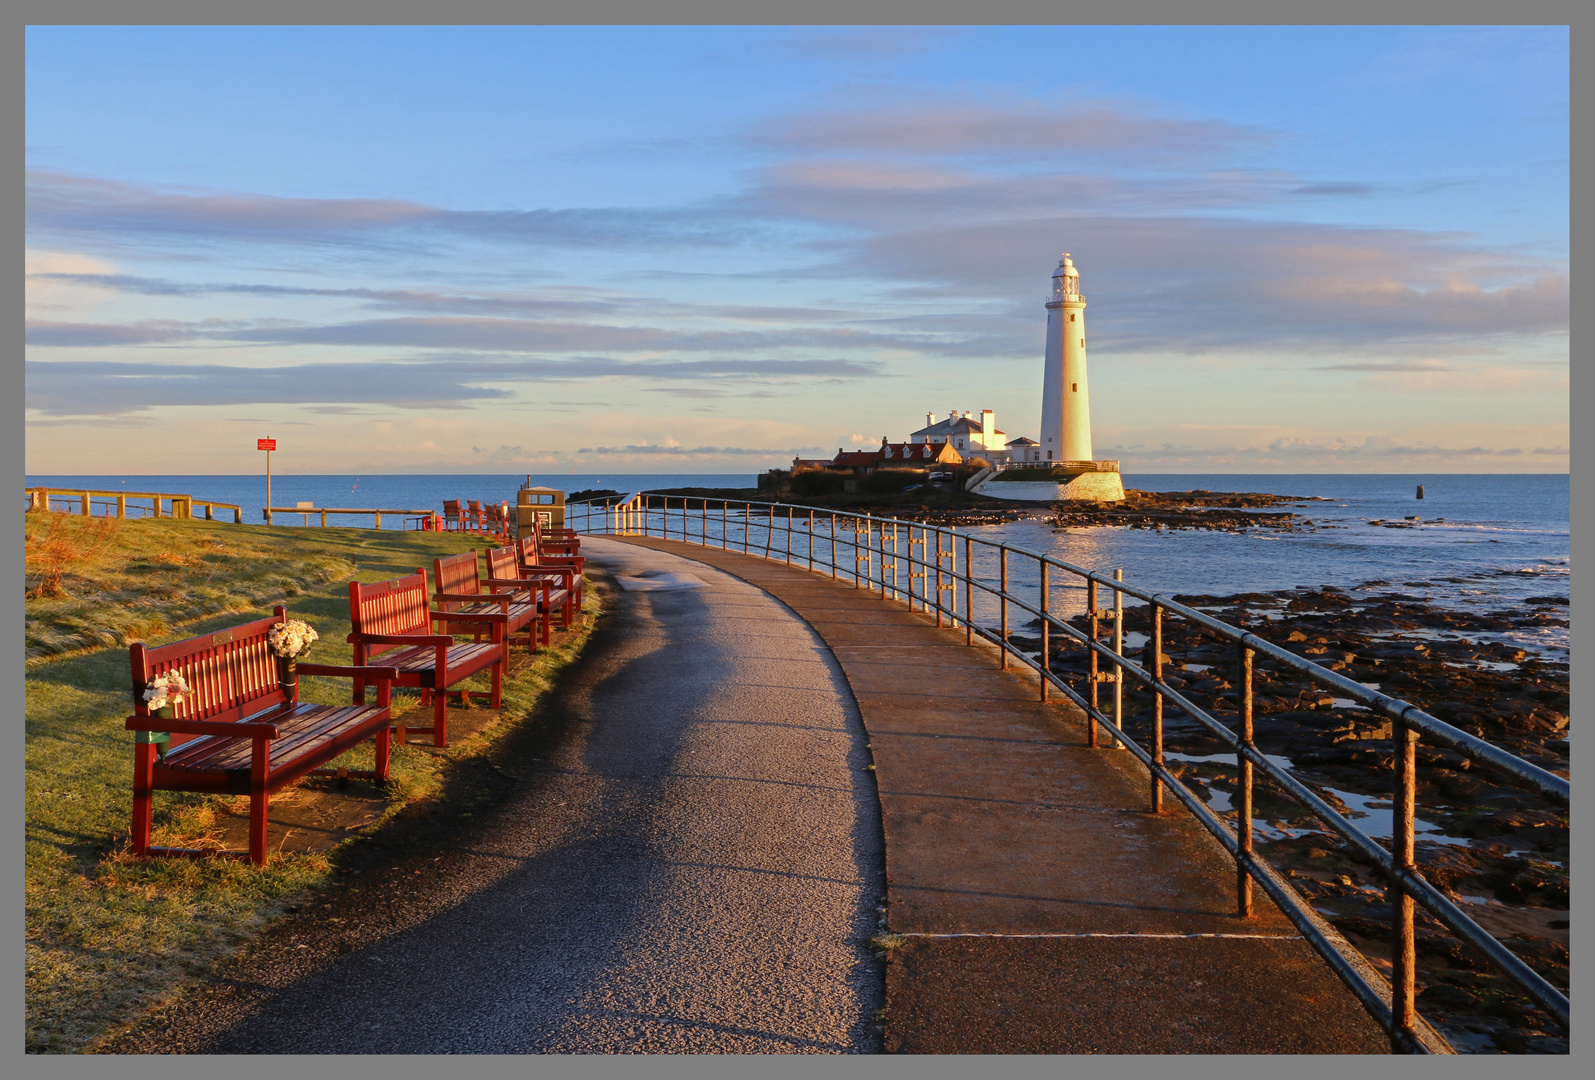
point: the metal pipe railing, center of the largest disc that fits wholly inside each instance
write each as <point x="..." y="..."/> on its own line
<point x="936" y="569"/>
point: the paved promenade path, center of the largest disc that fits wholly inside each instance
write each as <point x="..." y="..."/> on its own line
<point x="1045" y="909"/>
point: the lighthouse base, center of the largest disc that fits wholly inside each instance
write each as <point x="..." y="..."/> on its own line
<point x="1101" y="484"/>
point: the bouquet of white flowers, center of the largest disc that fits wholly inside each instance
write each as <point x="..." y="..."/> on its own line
<point x="168" y="688"/>
<point x="291" y="639"/>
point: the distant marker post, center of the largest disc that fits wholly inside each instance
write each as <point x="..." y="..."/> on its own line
<point x="267" y="444"/>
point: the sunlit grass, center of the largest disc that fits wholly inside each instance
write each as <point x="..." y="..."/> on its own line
<point x="108" y="934"/>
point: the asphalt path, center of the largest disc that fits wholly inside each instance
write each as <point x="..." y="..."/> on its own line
<point x="692" y="863"/>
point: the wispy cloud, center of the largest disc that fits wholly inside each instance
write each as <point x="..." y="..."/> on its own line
<point x="92" y="388"/>
<point x="1013" y="130"/>
<point x="645" y="450"/>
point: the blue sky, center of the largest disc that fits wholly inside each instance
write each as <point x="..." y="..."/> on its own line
<point x="708" y="250"/>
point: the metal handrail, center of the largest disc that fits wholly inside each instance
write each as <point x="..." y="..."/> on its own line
<point x="1390" y="1004"/>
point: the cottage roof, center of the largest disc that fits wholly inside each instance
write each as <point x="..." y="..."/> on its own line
<point x="963" y="425"/>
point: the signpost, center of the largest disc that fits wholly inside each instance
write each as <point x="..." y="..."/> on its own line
<point x="267" y="444"/>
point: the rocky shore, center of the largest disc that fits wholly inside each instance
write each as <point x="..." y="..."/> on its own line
<point x="950" y="505"/>
<point x="1501" y="851"/>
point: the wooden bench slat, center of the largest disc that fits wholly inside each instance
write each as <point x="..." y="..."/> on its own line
<point x="308" y="722"/>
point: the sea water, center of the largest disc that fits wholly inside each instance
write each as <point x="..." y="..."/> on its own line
<point x="1503" y="538"/>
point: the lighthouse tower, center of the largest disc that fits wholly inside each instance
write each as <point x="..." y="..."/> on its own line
<point x="1066" y="402"/>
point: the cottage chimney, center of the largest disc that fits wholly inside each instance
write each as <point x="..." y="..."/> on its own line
<point x="930" y="419"/>
<point x="988" y="426"/>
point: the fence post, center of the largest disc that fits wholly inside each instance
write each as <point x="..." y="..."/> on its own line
<point x="969" y="590"/>
<point x="811" y="541"/>
<point x="1118" y="648"/>
<point x="1091" y="610"/>
<point x="789" y="535"/>
<point x="1243" y="808"/>
<point x="121" y="506"/>
<point x="1046" y="640"/>
<point x="1157" y="706"/>
<point x="1002" y="554"/>
<point x="1404" y="955"/>
<point x="86" y="510"/>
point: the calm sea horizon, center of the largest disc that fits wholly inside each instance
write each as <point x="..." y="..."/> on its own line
<point x="1487" y="539"/>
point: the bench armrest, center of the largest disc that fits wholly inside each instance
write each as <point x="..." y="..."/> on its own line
<point x="378" y="673"/>
<point x="513" y="582"/>
<point x="463" y="597"/>
<point x="203" y="727"/>
<point x="401" y="639"/>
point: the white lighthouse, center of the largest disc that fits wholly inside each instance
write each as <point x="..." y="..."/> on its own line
<point x="1065" y="401"/>
<point x="1061" y="466"/>
<point x="1065" y="445"/>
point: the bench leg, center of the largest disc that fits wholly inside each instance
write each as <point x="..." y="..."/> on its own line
<point x="143" y="782"/>
<point x="440" y="721"/>
<point x="498" y="679"/>
<point x="384" y="740"/>
<point x="259" y="801"/>
<point x="384" y="752"/>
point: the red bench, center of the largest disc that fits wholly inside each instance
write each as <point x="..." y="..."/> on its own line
<point x="530" y="559"/>
<point x="533" y="554"/>
<point x="239" y="731"/>
<point x="458" y="589"/>
<point x="555" y="542"/>
<point x="553" y="589"/>
<point x="393" y="621"/>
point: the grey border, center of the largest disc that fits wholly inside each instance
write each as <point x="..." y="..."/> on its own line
<point x="687" y="12"/>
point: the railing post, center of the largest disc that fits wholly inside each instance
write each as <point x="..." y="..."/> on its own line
<point x="969" y="590"/>
<point x="1243" y="806"/>
<point x="833" y="547"/>
<point x="1002" y="554"/>
<point x="725" y="525"/>
<point x="952" y="572"/>
<point x="1118" y="648"/>
<point x="811" y="541"/>
<point x="1157" y="706"/>
<point x="86" y="512"/>
<point x="1046" y="640"/>
<point x="896" y="559"/>
<point x="1404" y="955"/>
<point x="789" y="536"/>
<point x="939" y="554"/>
<point x="1091" y="610"/>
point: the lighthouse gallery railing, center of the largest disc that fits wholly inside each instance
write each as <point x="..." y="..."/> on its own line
<point x="879" y="548"/>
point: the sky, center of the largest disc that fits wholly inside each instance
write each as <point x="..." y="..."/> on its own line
<point x="709" y="250"/>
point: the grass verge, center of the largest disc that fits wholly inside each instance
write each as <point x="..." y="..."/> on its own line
<point x="107" y="935"/>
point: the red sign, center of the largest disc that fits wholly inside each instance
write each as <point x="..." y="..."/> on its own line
<point x="265" y="444"/>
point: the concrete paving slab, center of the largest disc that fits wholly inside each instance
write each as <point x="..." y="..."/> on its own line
<point x="1117" y="996"/>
